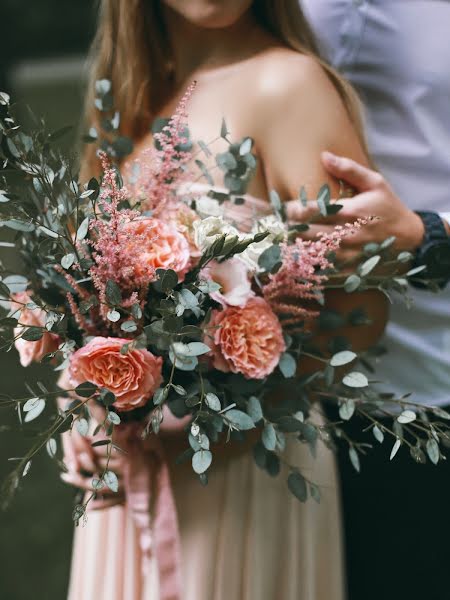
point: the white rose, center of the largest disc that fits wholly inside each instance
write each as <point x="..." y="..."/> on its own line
<point x="277" y="232"/>
<point x="208" y="207"/>
<point x="208" y="230"/>
<point x="273" y="224"/>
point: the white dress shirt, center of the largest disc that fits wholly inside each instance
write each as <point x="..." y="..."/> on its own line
<point x="397" y="55"/>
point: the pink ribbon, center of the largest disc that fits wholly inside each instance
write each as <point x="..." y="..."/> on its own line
<point x="150" y="498"/>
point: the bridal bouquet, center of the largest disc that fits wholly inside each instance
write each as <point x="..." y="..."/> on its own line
<point x="151" y="305"/>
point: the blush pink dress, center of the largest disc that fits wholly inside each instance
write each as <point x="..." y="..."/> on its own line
<point x="243" y="536"/>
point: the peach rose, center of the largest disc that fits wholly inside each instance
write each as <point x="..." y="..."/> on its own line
<point x="32" y="317"/>
<point x="163" y="247"/>
<point x="133" y="377"/>
<point x="183" y="218"/>
<point x="232" y="276"/>
<point x="247" y="340"/>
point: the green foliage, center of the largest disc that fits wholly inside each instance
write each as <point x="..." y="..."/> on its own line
<point x="51" y="217"/>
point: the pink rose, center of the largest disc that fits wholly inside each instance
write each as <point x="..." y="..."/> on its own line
<point x="232" y="276"/>
<point x="132" y="377"/>
<point x="32" y="351"/>
<point x="163" y="247"/>
<point x="247" y="340"/>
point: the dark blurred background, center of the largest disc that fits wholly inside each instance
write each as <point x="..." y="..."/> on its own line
<point x="43" y="47"/>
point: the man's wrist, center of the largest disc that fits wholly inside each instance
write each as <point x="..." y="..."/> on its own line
<point x="434" y="251"/>
<point x="416" y="232"/>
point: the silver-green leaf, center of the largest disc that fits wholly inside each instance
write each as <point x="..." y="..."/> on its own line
<point x="201" y="461"/>
<point x="355" y="379"/>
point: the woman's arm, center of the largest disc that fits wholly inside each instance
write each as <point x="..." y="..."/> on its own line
<point x="301" y="116"/>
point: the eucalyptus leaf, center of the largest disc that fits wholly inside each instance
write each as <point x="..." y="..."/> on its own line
<point x="416" y="271"/>
<point x="352" y="283"/>
<point x="369" y="265"/>
<point x="440" y="412"/>
<point x="224" y="129"/>
<point x="269" y="437"/>
<point x="270" y="258"/>
<point x="67" y="260"/>
<point x="113" y="316"/>
<point x="32" y="334"/>
<point x="395" y="448"/>
<point x="287" y="365"/>
<point x="82" y="426"/>
<point x="432" y="448"/>
<point x="26" y="469"/>
<point x="254" y="409"/>
<point x="213" y="402"/>
<point x="297" y="485"/>
<point x="315" y="492"/>
<point x="110" y="478"/>
<point x="168" y="280"/>
<point x="355" y="379"/>
<point x="191" y="349"/>
<point x="86" y="389"/>
<point x="347" y="409"/>
<point x="246" y="146"/>
<point x="113" y="418"/>
<point x="201" y="461"/>
<point x="51" y="447"/>
<point x="378" y="434"/>
<point x="128" y="326"/>
<point x="182" y="362"/>
<point x="18" y="225"/>
<point x="34" y="409"/>
<point x="83" y="229"/>
<point x="354" y="458"/>
<point x="342" y="358"/>
<point x="238" y="419"/>
<point x="407" y="416"/>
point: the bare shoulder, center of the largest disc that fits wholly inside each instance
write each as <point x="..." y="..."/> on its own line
<point x="298" y="114"/>
<point x="279" y="71"/>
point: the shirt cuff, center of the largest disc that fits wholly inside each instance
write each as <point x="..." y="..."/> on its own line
<point x="445" y="216"/>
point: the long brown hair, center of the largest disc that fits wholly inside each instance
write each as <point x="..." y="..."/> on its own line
<point x="131" y="49"/>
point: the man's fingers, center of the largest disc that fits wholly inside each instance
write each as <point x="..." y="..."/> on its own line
<point x="314" y="230"/>
<point x="353" y="173"/>
<point x="296" y="213"/>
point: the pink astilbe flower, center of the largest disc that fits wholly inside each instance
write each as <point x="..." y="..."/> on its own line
<point x="162" y="170"/>
<point x="293" y="291"/>
<point x="117" y="247"/>
<point x="80" y="319"/>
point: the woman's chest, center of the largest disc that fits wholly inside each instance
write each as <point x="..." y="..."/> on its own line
<point x="219" y="117"/>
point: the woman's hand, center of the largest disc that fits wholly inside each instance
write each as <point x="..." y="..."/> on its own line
<point x="85" y="462"/>
<point x="374" y="197"/>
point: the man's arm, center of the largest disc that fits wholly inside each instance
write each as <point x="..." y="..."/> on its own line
<point x="415" y="232"/>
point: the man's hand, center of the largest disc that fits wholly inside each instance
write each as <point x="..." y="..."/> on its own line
<point x="374" y="198"/>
